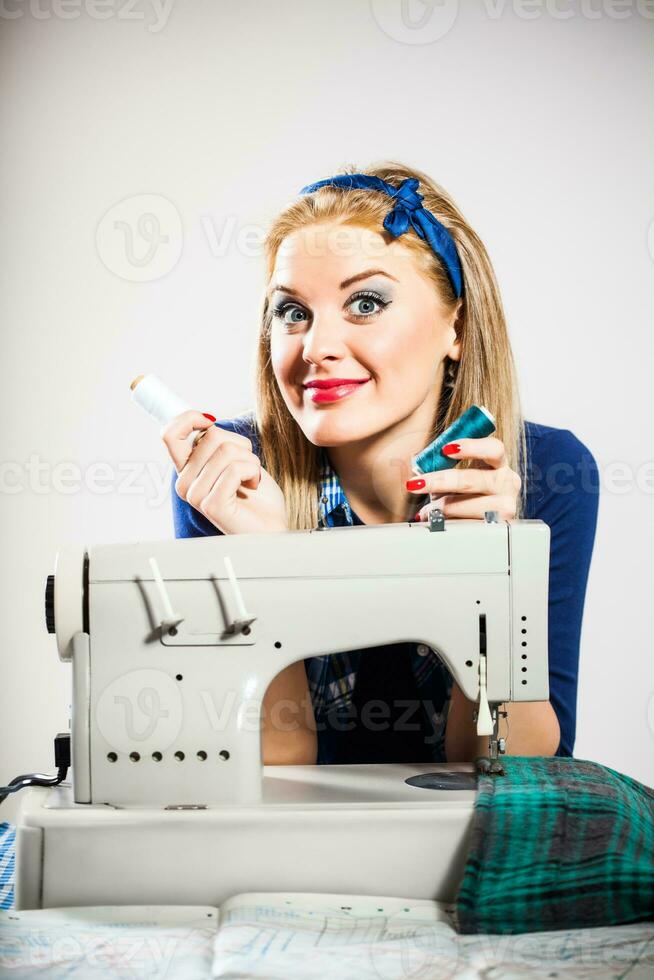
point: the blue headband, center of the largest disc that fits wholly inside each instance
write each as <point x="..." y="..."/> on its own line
<point x="408" y="210"/>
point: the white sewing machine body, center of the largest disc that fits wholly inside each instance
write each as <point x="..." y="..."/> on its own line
<point x="173" y="645"/>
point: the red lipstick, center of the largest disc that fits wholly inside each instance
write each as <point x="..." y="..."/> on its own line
<point x="333" y="389"/>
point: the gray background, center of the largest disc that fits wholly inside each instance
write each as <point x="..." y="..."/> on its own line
<point x="210" y="117"/>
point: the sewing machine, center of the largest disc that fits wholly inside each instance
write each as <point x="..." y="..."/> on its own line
<point x="172" y="646"/>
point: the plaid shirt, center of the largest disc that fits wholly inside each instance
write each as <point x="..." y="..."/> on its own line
<point x="332" y="678"/>
<point x="559" y="844"/>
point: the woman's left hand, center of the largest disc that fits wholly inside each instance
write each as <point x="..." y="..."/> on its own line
<point x="490" y="484"/>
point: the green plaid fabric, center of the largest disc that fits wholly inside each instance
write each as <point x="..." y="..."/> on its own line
<point x="558" y="843"/>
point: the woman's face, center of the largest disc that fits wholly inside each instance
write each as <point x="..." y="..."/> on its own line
<point x="335" y="319"/>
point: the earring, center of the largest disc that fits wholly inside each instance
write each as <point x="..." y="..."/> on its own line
<point x="451" y="369"/>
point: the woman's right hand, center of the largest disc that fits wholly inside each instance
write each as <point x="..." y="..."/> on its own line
<point x="222" y="478"/>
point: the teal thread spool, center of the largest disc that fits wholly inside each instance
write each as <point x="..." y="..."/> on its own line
<point x="475" y="423"/>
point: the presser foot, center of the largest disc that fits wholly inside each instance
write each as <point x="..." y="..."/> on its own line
<point x="486" y="766"/>
<point x="491" y="765"/>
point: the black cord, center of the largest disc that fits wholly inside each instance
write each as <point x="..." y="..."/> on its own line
<point x="32" y="779"/>
<point x="62" y="762"/>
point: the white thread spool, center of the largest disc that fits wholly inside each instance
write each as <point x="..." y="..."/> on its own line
<point x="161" y="403"/>
<point x="156" y="399"/>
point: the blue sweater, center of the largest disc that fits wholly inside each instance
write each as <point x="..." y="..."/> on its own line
<point x="562" y="484"/>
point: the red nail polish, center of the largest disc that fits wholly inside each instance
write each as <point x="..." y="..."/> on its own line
<point x="415" y="484"/>
<point x="212" y="418"/>
<point x="451" y="448"/>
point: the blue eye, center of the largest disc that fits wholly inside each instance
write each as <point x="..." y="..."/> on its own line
<point x="372" y="304"/>
<point x="370" y="300"/>
<point x="283" y="308"/>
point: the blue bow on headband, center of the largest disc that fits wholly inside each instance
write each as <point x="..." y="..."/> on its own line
<point x="407" y="212"/>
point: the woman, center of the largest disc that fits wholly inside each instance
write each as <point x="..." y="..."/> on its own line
<point x="382" y="323"/>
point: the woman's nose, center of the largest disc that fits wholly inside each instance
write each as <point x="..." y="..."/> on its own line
<point x="323" y="339"/>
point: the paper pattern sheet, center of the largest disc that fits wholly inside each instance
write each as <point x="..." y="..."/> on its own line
<point x="122" y="943"/>
<point x="361" y="938"/>
<point x="281" y="936"/>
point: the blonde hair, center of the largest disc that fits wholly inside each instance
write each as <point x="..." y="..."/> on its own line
<point x="485" y="374"/>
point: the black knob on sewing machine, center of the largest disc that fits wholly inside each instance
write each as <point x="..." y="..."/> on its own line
<point x="49" y="604"/>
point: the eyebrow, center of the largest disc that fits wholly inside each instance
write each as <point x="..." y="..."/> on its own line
<point x="343" y="285"/>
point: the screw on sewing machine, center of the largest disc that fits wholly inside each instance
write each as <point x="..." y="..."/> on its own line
<point x="436" y="519"/>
